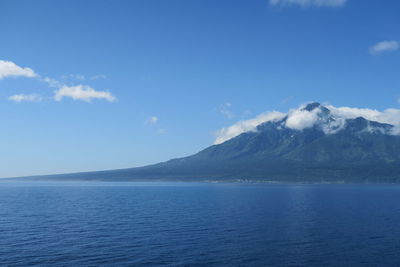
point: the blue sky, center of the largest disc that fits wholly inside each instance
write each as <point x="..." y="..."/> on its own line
<point x="114" y="84"/>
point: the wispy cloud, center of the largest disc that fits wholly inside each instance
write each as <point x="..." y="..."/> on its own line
<point x="384" y="46"/>
<point x="305" y="3"/>
<point x="51" y="82"/>
<point x="224" y="109"/>
<point x="152" y="120"/>
<point x="161" y="131"/>
<point x="82" y="92"/>
<point x="10" y="69"/>
<point x="25" y="98"/>
<point x="81" y="77"/>
<point x="245" y="126"/>
<point x="98" y="76"/>
<point x="72" y="76"/>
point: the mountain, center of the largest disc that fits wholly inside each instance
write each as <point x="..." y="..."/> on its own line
<point x="309" y="145"/>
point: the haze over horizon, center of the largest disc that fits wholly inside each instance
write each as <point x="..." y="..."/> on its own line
<point x="137" y="82"/>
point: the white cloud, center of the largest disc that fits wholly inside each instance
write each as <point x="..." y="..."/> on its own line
<point x="299" y="119"/>
<point x="25" y="98"/>
<point x="77" y="92"/>
<point x="385" y="46"/>
<point x="152" y="120"/>
<point x="304" y="3"/>
<point x="245" y="126"/>
<point x="10" y="69"/>
<point x="82" y="92"/>
<point x="389" y="116"/>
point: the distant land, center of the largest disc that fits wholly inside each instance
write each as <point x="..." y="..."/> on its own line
<point x="327" y="149"/>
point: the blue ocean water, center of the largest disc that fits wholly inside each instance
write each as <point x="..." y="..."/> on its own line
<point x="183" y="224"/>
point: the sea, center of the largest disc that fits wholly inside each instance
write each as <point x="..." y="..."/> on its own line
<point x="198" y="224"/>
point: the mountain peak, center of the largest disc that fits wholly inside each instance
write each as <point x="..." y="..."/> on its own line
<point x="312" y="106"/>
<point x="324" y="112"/>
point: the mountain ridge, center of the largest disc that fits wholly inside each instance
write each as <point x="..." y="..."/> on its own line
<point x="317" y="147"/>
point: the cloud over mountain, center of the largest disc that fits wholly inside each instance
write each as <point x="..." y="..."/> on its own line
<point x="246" y="125"/>
<point x="303" y="118"/>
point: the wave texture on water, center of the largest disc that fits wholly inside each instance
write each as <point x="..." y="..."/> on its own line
<point x="125" y="224"/>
